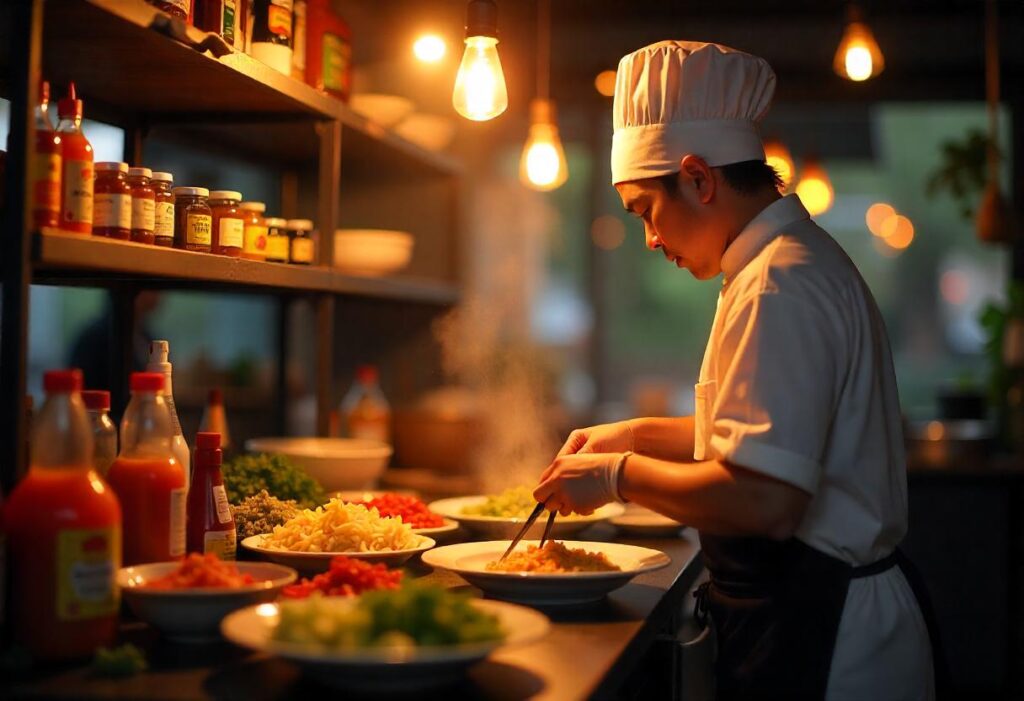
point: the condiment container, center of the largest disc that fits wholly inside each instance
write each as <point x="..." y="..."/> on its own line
<point x="112" y="208"/>
<point x="46" y="165"/>
<point x="222" y="17"/>
<point x="193" y="219"/>
<point x="365" y="413"/>
<point x="211" y="527"/>
<point x="76" y="200"/>
<point x="328" y="50"/>
<point x="159" y="361"/>
<point x="272" y="34"/>
<point x="163" y="219"/>
<point x="277" y="240"/>
<point x="254" y="243"/>
<point x="104" y="432"/>
<point x="215" y="419"/>
<point x="143" y="205"/>
<point x="302" y="250"/>
<point x="228" y="223"/>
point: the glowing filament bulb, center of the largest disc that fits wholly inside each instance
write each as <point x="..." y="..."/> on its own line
<point x="542" y="165"/>
<point x="858" y="56"/>
<point x="480" y="93"/>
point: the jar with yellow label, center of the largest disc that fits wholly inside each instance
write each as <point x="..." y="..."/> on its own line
<point x="193" y="219"/>
<point x="302" y="250"/>
<point x="277" y="240"/>
<point x="254" y="231"/>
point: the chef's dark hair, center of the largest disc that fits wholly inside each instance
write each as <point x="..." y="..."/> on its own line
<point x="746" y="178"/>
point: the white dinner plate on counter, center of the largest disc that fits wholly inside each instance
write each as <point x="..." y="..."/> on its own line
<point x="497" y="527"/>
<point x="645" y="523"/>
<point x="315" y="563"/>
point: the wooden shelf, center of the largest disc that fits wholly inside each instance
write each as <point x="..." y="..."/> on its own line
<point x="69" y="259"/>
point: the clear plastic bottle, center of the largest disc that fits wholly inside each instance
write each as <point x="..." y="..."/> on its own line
<point x="63" y="525"/>
<point x="365" y="412"/>
<point x="215" y="419"/>
<point x="148" y="480"/>
<point x="211" y="527"/>
<point x="159" y="352"/>
<point x="104" y="432"/>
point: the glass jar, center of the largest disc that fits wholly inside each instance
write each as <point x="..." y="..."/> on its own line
<point x="163" y="218"/>
<point x="143" y="204"/>
<point x="302" y="251"/>
<point x="228" y="223"/>
<point x="254" y="232"/>
<point x="277" y="240"/>
<point x="112" y="201"/>
<point x="193" y="219"/>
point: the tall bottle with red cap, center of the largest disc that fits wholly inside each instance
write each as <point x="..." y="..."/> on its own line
<point x="211" y="527"/>
<point x="104" y="432"/>
<point x="365" y="412"/>
<point x="77" y="173"/>
<point x="46" y="164"/>
<point x="63" y="525"/>
<point x="147" y="478"/>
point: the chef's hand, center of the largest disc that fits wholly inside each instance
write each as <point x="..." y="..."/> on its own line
<point x="603" y="438"/>
<point x="580" y="482"/>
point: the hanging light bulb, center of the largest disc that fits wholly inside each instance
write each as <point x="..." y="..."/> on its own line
<point x="542" y="165"/>
<point x="814" y="188"/>
<point x="858" y="56"/>
<point x="480" y="93"/>
<point x="778" y="157"/>
<point x="429" y="48"/>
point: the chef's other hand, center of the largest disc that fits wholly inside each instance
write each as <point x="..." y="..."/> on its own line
<point x="580" y="482"/>
<point x="603" y="438"/>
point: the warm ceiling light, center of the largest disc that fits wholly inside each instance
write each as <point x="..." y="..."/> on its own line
<point x="778" y="157"/>
<point x="877" y="215"/>
<point x="605" y="83"/>
<point x="898" y="232"/>
<point x="480" y="93"/>
<point x="429" y="48"/>
<point x="814" y="189"/>
<point x="858" y="56"/>
<point x="542" y="165"/>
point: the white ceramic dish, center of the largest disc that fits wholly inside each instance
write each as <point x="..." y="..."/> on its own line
<point x="384" y="668"/>
<point x="469" y="561"/>
<point x="193" y="615"/>
<point x="430" y="131"/>
<point x="638" y="521"/>
<point x="385" y="110"/>
<point x="315" y="563"/>
<point x="336" y="463"/>
<point x="495" y="527"/>
<point x="372" y="251"/>
<point x="443" y="531"/>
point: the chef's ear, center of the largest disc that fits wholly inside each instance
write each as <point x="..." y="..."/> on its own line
<point x="698" y="173"/>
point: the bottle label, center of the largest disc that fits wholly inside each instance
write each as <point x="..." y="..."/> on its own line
<point x="255" y="239"/>
<point x="46" y="182"/>
<point x="223" y="544"/>
<point x="177" y="530"/>
<point x="143" y="214"/>
<point x="76" y="203"/>
<point x="232" y="232"/>
<point x="220" y="500"/>
<point x="227" y="25"/>
<point x="112" y="211"/>
<point x="87" y="562"/>
<point x="277" y="247"/>
<point x="163" y="219"/>
<point x="335" y="61"/>
<point x="198" y="229"/>
<point x="302" y="250"/>
<point x="279" y="20"/>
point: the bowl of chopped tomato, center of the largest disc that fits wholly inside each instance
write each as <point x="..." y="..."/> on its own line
<point x="186" y="600"/>
<point x="345" y="577"/>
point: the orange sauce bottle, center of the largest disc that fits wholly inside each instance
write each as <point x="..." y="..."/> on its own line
<point x="63" y="525"/>
<point x="45" y="165"/>
<point x="77" y="174"/>
<point x="148" y="481"/>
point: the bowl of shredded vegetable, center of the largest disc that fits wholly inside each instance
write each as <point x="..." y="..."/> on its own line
<point x="186" y="600"/>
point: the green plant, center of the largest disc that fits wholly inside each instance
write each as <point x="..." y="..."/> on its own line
<point x="962" y="171"/>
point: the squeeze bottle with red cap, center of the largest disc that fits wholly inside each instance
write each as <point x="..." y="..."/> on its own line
<point x="63" y="526"/>
<point x="211" y="527"/>
<point x="46" y="168"/>
<point x="104" y="432"/>
<point x="147" y="479"/>
<point x="77" y="167"/>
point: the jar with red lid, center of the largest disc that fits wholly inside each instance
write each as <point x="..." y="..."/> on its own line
<point x="143" y="204"/>
<point x="163" y="218"/>
<point x="228" y="223"/>
<point x="112" y="201"/>
<point x="193" y="219"/>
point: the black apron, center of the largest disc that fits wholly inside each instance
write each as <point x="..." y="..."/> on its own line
<point x="776" y="607"/>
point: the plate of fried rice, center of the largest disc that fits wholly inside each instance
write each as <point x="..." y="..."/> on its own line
<point x="562" y="572"/>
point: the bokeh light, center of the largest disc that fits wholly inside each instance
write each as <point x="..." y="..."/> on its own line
<point x="429" y="48"/>
<point x="608" y="232"/>
<point x="605" y="83"/>
<point x="877" y="215"/>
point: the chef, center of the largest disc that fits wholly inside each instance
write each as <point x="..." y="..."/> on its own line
<point x="792" y="466"/>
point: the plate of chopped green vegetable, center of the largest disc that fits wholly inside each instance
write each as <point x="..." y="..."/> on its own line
<point x="248" y="475"/>
<point x="403" y="639"/>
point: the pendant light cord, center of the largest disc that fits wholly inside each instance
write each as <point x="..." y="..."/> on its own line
<point x="543" y="48"/>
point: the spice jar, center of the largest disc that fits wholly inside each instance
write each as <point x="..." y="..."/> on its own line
<point x="228" y="225"/>
<point x="272" y="34"/>
<point x="193" y="219"/>
<point x="277" y="240"/>
<point x="254" y="233"/>
<point x="143" y="204"/>
<point x="302" y="250"/>
<point x="112" y="201"/>
<point x="163" y="219"/>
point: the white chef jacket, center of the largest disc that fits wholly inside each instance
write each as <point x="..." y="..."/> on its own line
<point x="797" y="383"/>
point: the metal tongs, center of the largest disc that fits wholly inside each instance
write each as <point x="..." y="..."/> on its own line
<point x="526" y="526"/>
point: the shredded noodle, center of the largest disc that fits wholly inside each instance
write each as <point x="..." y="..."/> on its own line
<point x="553" y="558"/>
<point x="337" y="527"/>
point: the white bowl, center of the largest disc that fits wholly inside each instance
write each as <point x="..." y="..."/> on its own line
<point x="430" y="131"/>
<point x="385" y="110"/>
<point x="372" y="251"/>
<point x="314" y="563"/>
<point x="497" y="527"/>
<point x="193" y="615"/>
<point x="336" y="463"/>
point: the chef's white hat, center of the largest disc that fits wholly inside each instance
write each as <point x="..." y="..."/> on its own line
<point x="675" y="98"/>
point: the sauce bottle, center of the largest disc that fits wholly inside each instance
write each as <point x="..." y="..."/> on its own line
<point x="143" y="205"/>
<point x="104" y="432"/>
<point x="163" y="215"/>
<point x="63" y="525"/>
<point x="215" y="419"/>
<point x="211" y="527"/>
<point x="193" y="219"/>
<point x="365" y="412"/>
<point x="112" y="201"/>
<point x="148" y="481"/>
<point x="76" y="200"/>
<point x="45" y="165"/>
<point x="254" y="237"/>
<point x="228" y="224"/>
<point x="159" y="353"/>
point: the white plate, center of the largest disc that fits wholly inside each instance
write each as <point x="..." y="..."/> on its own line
<point x="639" y="521"/>
<point x="469" y="561"/>
<point x="497" y="527"/>
<point x="439" y="532"/>
<point x="315" y="563"/>
<point x="443" y="530"/>
<point x="193" y="615"/>
<point x="384" y="668"/>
